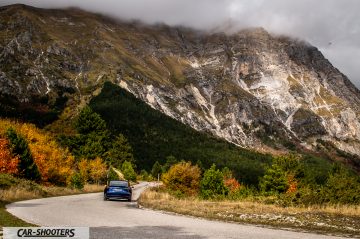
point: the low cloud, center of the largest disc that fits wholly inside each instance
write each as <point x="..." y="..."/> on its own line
<point x="331" y="25"/>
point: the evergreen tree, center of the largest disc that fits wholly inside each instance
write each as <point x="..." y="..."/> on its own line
<point x="274" y="180"/>
<point x="170" y="161"/>
<point x="128" y="171"/>
<point x="20" y="148"/>
<point x="89" y="122"/>
<point x="120" y="152"/>
<point x="93" y="139"/>
<point x="112" y="175"/>
<point x="212" y="184"/>
<point x="76" y="181"/>
<point x="156" y="169"/>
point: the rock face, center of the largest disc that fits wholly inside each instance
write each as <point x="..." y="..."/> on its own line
<point x="251" y="88"/>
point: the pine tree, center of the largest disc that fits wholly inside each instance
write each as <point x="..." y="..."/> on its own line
<point x="19" y="147"/>
<point x="94" y="138"/>
<point x="170" y="161"/>
<point x="156" y="169"/>
<point x="89" y="122"/>
<point x="112" y="175"/>
<point x="128" y="171"/>
<point x="274" y="180"/>
<point x="120" y="152"/>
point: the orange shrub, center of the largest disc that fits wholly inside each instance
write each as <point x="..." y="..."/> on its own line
<point x="183" y="178"/>
<point x="292" y="184"/>
<point x="232" y="184"/>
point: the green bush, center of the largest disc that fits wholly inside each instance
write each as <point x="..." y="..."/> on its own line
<point x="76" y="181"/>
<point x="304" y="196"/>
<point x="182" y="178"/>
<point x="314" y="170"/>
<point x="342" y="187"/>
<point x="128" y="171"/>
<point x="212" y="184"/>
<point x="7" y="180"/>
<point x="145" y="176"/>
<point x="274" y="180"/>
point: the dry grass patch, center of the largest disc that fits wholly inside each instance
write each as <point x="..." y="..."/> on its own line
<point x="16" y="193"/>
<point x="331" y="218"/>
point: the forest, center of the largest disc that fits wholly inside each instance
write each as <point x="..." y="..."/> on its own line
<point x="118" y="131"/>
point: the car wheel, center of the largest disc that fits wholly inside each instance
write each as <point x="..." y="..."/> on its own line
<point x="105" y="198"/>
<point x="129" y="200"/>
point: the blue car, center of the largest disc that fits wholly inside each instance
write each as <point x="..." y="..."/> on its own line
<point x="119" y="189"/>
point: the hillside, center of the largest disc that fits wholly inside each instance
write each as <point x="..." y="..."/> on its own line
<point x="155" y="136"/>
<point x="252" y="88"/>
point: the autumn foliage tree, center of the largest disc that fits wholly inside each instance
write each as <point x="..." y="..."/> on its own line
<point x="8" y="162"/>
<point x="83" y="167"/>
<point x="92" y="170"/>
<point x="97" y="170"/>
<point x="54" y="163"/>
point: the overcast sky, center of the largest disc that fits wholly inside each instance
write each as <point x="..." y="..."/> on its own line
<point x="331" y="25"/>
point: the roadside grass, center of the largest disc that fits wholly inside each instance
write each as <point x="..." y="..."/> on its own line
<point x="8" y="220"/>
<point x="26" y="190"/>
<point x="332" y="219"/>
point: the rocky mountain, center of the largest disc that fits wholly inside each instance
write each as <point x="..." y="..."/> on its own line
<point x="252" y="88"/>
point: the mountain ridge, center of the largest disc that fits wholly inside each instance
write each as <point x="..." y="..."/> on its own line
<point x="251" y="88"/>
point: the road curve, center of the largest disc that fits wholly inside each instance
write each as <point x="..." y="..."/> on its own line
<point x="119" y="219"/>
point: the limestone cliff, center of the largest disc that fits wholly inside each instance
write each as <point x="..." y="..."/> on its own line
<point x="251" y="88"/>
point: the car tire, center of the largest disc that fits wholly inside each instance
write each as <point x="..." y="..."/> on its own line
<point x="129" y="200"/>
<point x="105" y="198"/>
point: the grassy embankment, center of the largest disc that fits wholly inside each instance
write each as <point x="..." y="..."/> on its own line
<point x="20" y="189"/>
<point x="333" y="219"/>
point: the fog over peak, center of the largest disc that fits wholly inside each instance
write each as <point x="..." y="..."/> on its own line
<point x="331" y="25"/>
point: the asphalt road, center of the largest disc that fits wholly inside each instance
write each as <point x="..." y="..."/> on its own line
<point x="120" y="219"/>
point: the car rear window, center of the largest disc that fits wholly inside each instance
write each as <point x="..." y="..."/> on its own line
<point x="118" y="184"/>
